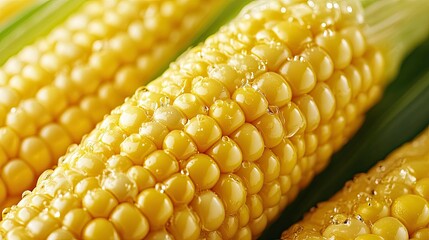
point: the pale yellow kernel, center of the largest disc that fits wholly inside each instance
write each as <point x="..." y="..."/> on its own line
<point x="170" y="116"/>
<point x="184" y="224"/>
<point x="35" y="152"/>
<point x="203" y="171"/>
<point x="113" y="138"/>
<point x="68" y="50"/>
<point x="293" y="119"/>
<point x="252" y="177"/>
<point x="40" y="226"/>
<point x="269" y="81"/>
<point x="270" y="194"/>
<point x="210" y="210"/>
<point x="90" y="164"/>
<point x="231" y="190"/>
<point x="320" y="61"/>
<point x="179" y="144"/>
<point x="137" y="147"/>
<point x="271" y="129"/>
<point x="161" y="164"/>
<point x="132" y="118"/>
<point x="85" y="78"/>
<point x="209" y="90"/>
<point x="17" y="119"/>
<point x="156" y="207"/>
<point x="100" y="228"/>
<point x="141" y="35"/>
<point x="390" y="228"/>
<point x="154" y="131"/>
<point x="347" y="230"/>
<point x="227" y="154"/>
<point x="190" y="105"/>
<point x="51" y="62"/>
<point x="195" y="68"/>
<point x="25" y="214"/>
<point x="124" y="47"/>
<point x="337" y="47"/>
<point x="61" y="234"/>
<point x="412" y="211"/>
<point x="293" y="35"/>
<point x="227" y="75"/>
<point x="17" y="176"/>
<point x="142" y="177"/>
<point x="310" y="110"/>
<point x="56" y="138"/>
<point x="180" y="189"/>
<point x="129" y="221"/>
<point x="119" y="163"/>
<point x="246" y="64"/>
<point x="204" y="131"/>
<point x="229" y="227"/>
<point x="252" y="102"/>
<point x="300" y="76"/>
<point x="227" y="114"/>
<point x="257" y="225"/>
<point x="104" y="62"/>
<point x="24" y="87"/>
<point x="120" y="185"/>
<point x="250" y="141"/>
<point x="76" y="122"/>
<point x="287" y="156"/>
<point x="61" y="205"/>
<point x="36" y="74"/>
<point x="273" y="55"/>
<point x="94" y="107"/>
<point x="10" y="97"/>
<point x="18" y="233"/>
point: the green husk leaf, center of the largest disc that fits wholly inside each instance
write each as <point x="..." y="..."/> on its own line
<point x="32" y="23"/>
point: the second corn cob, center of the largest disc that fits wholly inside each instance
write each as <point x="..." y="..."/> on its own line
<point x="222" y="141"/>
<point x="55" y="90"/>
<point x="390" y="202"/>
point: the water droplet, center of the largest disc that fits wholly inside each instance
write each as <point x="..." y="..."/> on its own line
<point x="5" y="212"/>
<point x="184" y="172"/>
<point x="26" y="193"/>
<point x="273" y="110"/>
<point x="160" y="187"/>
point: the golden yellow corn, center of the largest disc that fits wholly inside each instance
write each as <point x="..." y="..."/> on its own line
<point x="220" y="143"/>
<point x="55" y="90"/>
<point x="388" y="202"/>
<point x="10" y="8"/>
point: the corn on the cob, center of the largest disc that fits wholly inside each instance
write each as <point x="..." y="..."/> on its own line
<point x="55" y="90"/>
<point x="388" y="202"/>
<point x="10" y="8"/>
<point x="209" y="149"/>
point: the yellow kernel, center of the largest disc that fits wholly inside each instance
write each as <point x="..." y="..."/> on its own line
<point x="356" y="39"/>
<point x="161" y="234"/>
<point x="76" y="122"/>
<point x="89" y="164"/>
<point x="180" y="189"/>
<point x="368" y="237"/>
<point x="142" y="177"/>
<point x="421" y="233"/>
<point x="412" y="211"/>
<point x="120" y="185"/>
<point x="36" y="153"/>
<point x="107" y="93"/>
<point x="320" y="61"/>
<point x="293" y="34"/>
<point x="203" y="171"/>
<point x="179" y="144"/>
<point x="337" y="47"/>
<point x="257" y="225"/>
<point x="271" y="129"/>
<point x="255" y="206"/>
<point x="100" y="228"/>
<point x="293" y="120"/>
<point x="113" y="137"/>
<point x="250" y="142"/>
<point x="252" y="177"/>
<point x="155" y="206"/>
<point x="24" y="87"/>
<point x="300" y="76"/>
<point x="377" y="64"/>
<point x="104" y="62"/>
<point x="243" y="233"/>
<point x="392" y="190"/>
<point x="243" y="215"/>
<point x="209" y="90"/>
<point x="422" y="188"/>
<point x="161" y="164"/>
<point x="390" y="228"/>
<point x="311" y="143"/>
<point x="25" y="214"/>
<point x="287" y="156"/>
<point x="10" y="97"/>
<point x="231" y="190"/>
<point x="94" y="107"/>
<point x="309" y="109"/>
<point x="228" y="115"/>
<point x="229" y="227"/>
<point x="270" y="194"/>
<point x="131" y="118"/>
<point x="17" y="120"/>
<point x="272" y="213"/>
<point x="61" y="205"/>
<point x="119" y="163"/>
<point x="272" y="54"/>
<point x="227" y="154"/>
<point x="170" y="116"/>
<point x="348" y="230"/>
<point x="85" y="78"/>
<point x="210" y="210"/>
<point x="365" y="71"/>
<point x="154" y="131"/>
<point x="204" y="131"/>
<point x="124" y="47"/>
<point x="184" y="224"/>
<point x="40" y="226"/>
<point x="129" y="221"/>
<point x="57" y="139"/>
<point x="252" y="102"/>
<point x="245" y="64"/>
<point x="325" y="101"/>
<point x="17" y="176"/>
<point x="227" y="75"/>
<point x="190" y="105"/>
<point x="99" y="202"/>
<point x="60" y="234"/>
<point x="269" y="164"/>
<point x="18" y="232"/>
<point x="137" y="147"/>
<point x="299" y="142"/>
<point x="269" y="81"/>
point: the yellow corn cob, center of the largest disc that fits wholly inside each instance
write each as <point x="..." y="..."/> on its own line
<point x="390" y="202"/>
<point x="222" y="141"/>
<point x="9" y="8"/>
<point x="55" y="90"/>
